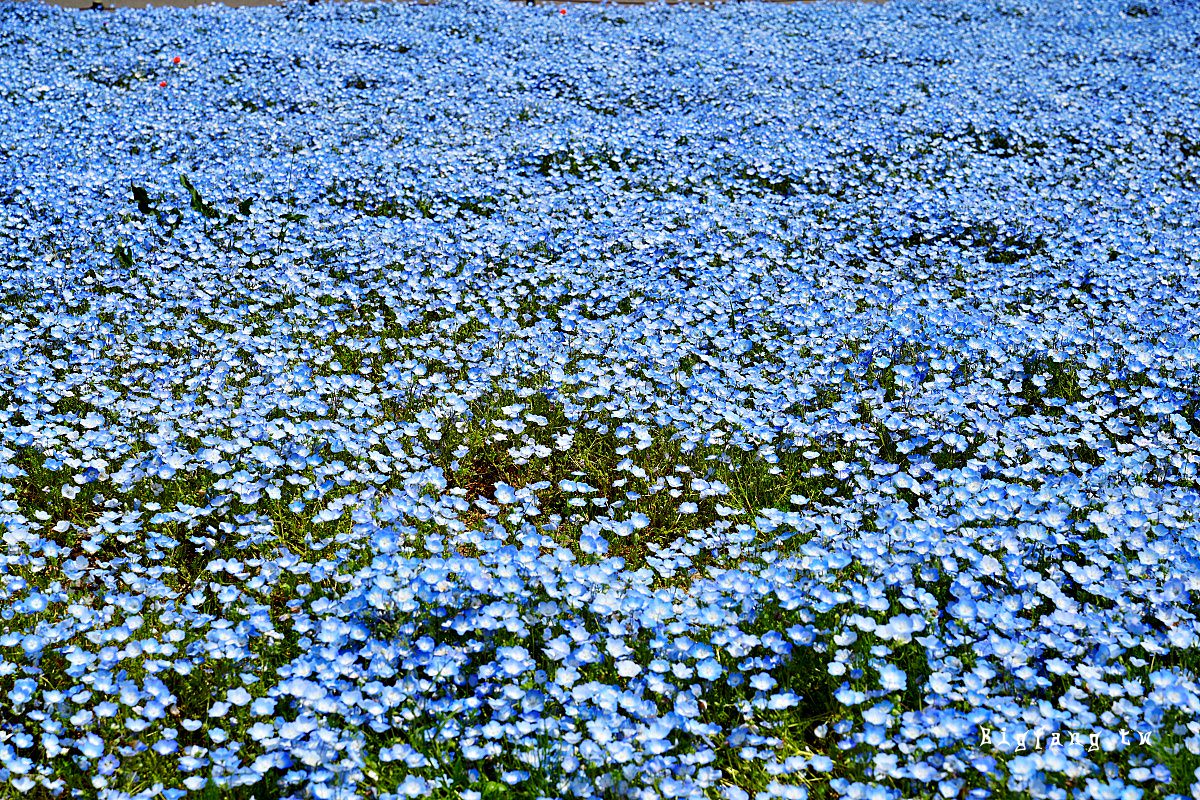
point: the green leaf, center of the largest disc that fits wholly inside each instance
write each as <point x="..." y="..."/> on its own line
<point x="141" y="198"/>
<point x="123" y="255"/>
<point x="198" y="204"/>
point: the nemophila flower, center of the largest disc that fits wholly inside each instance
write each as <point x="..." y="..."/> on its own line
<point x="763" y="682"/>
<point x="892" y="679"/>
<point x="628" y="669"/>
<point x="413" y="786"/>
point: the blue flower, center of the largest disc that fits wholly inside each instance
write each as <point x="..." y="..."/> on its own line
<point x="585" y="435"/>
<point x="91" y="746"/>
<point x="892" y="679"/>
<point x="709" y="670"/>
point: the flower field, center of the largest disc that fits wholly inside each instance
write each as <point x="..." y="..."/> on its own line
<point x="481" y="400"/>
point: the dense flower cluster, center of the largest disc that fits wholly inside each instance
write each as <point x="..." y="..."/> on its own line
<point x="475" y="400"/>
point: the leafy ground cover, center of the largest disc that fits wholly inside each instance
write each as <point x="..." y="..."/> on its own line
<point x="480" y="401"/>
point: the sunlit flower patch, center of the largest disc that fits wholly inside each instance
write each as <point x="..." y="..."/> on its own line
<point x="478" y="401"/>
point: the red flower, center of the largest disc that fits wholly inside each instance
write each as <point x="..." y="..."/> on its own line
<point x="562" y="11"/>
<point x="162" y="85"/>
<point x="178" y="59"/>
